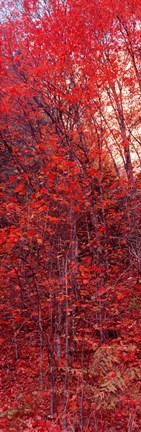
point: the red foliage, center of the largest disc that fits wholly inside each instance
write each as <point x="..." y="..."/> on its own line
<point x="70" y="216"/>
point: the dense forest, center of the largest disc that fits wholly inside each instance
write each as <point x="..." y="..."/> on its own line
<point x="70" y="216"/>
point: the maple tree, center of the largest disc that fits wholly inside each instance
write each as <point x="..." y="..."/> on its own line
<point x="70" y="216"/>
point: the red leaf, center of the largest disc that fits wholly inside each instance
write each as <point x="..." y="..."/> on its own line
<point x="20" y="189"/>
